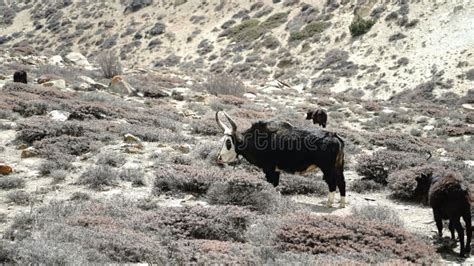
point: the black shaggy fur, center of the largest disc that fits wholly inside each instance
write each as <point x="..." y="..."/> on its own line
<point x="20" y="76"/>
<point x="274" y="146"/>
<point x="318" y="116"/>
<point x="450" y="198"/>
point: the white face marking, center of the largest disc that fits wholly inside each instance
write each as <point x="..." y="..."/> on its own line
<point x="227" y="154"/>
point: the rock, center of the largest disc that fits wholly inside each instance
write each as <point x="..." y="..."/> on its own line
<point x="59" y="83"/>
<point x="177" y="96"/>
<point x="129" y="138"/>
<point x="250" y="95"/>
<point x="87" y="79"/>
<point x="56" y="60"/>
<point x="46" y="78"/>
<point x="57" y="115"/>
<point x="156" y="93"/>
<point x="133" y="148"/>
<point x="29" y="152"/>
<point x="119" y="86"/>
<point x="428" y="128"/>
<point x="79" y="60"/>
<point x="22" y="146"/>
<point x="5" y="169"/>
<point x="468" y="106"/>
<point x="184" y="148"/>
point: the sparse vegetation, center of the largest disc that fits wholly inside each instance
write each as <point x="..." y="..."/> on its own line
<point x="380" y="213"/>
<point x="224" y="85"/>
<point x="99" y="177"/>
<point x="109" y="64"/>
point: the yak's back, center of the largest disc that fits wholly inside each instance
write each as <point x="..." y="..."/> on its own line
<point x="449" y="188"/>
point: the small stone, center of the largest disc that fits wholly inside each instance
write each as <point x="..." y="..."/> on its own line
<point x="29" y="152"/>
<point x="133" y="148"/>
<point x="5" y="169"/>
<point x="428" y="128"/>
<point x="468" y="106"/>
<point x="184" y="148"/>
<point x="129" y="138"/>
<point x="22" y="146"/>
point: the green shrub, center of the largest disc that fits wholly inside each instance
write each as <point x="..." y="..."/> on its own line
<point x="360" y="26"/>
<point x="247" y="31"/>
<point x="275" y="20"/>
<point x="308" y="31"/>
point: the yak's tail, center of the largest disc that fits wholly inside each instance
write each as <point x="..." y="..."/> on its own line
<point x="340" y="153"/>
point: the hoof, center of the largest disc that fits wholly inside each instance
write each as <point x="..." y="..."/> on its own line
<point x="342" y="205"/>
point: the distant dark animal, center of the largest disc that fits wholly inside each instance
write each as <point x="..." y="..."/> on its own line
<point x="20" y="76"/>
<point x="278" y="146"/>
<point x="319" y="116"/>
<point x="450" y="198"/>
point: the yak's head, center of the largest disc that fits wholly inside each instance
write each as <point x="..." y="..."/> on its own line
<point x="309" y="115"/>
<point x="227" y="153"/>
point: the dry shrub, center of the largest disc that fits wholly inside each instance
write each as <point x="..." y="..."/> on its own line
<point x="379" y="213"/>
<point x="99" y="177"/>
<point x="224" y="85"/>
<point x="19" y="197"/>
<point x="365" y="186"/>
<point x="12" y="182"/>
<point x="35" y="129"/>
<point x="225" y="223"/>
<point x="403" y="184"/>
<point x="244" y="190"/>
<point x="206" y="126"/>
<point x="333" y="235"/>
<point x="66" y="145"/>
<point x="186" y="178"/>
<point x="109" y="64"/>
<point x="213" y="252"/>
<point x="90" y="111"/>
<point x="296" y="184"/>
<point x="399" y="142"/>
<point x="376" y="167"/>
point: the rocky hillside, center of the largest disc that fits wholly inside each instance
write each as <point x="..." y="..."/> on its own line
<point x="305" y="43"/>
<point x="103" y="168"/>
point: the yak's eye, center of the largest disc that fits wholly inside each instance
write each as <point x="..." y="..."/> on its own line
<point x="228" y="144"/>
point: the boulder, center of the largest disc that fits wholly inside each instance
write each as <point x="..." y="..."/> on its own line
<point x="79" y="60"/>
<point x="59" y="83"/>
<point x="56" y="60"/>
<point x="5" y="169"/>
<point x="46" y="78"/>
<point x="119" y="86"/>
<point x="57" y="115"/>
<point x="129" y="138"/>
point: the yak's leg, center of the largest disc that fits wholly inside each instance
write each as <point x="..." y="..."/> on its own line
<point x="341" y="185"/>
<point x="439" y="222"/>
<point x="272" y="176"/>
<point x="457" y="225"/>
<point x="467" y="220"/>
<point x="330" y="179"/>
<point x="451" y="229"/>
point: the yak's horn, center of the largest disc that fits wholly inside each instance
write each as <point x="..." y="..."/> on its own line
<point x="232" y="123"/>
<point x="221" y="125"/>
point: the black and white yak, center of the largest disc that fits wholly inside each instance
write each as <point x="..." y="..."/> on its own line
<point x="278" y="146"/>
